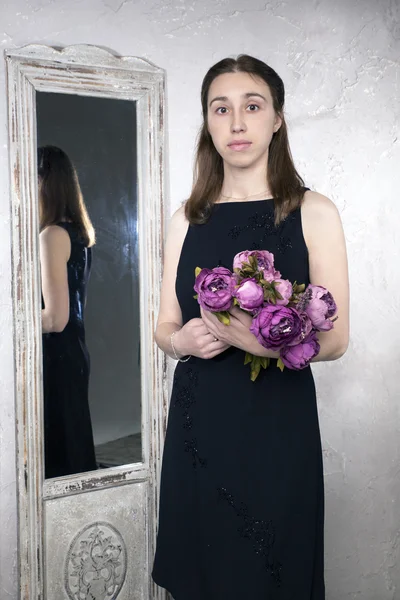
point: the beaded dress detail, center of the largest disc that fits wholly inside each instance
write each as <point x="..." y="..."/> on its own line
<point x="242" y="500"/>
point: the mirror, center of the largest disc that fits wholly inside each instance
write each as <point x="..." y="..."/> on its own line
<point x="91" y="368"/>
<point x="105" y="113"/>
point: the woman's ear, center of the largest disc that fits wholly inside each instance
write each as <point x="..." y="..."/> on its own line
<point x="278" y="123"/>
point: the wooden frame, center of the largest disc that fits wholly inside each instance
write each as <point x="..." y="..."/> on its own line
<point x="91" y="71"/>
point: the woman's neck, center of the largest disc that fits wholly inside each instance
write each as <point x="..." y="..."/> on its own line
<point x="244" y="183"/>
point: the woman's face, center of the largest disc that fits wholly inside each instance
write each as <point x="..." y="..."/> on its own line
<point x="241" y="118"/>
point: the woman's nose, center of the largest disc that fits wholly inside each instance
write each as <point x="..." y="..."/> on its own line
<point x="238" y="123"/>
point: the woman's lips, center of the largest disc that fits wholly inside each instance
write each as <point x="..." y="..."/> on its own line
<point x="239" y="146"/>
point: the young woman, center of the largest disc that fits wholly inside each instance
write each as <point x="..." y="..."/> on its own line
<point x="242" y="500"/>
<point x="66" y="238"/>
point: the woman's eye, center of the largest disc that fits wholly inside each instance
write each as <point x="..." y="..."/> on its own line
<point x="221" y="108"/>
<point x="254" y="107"/>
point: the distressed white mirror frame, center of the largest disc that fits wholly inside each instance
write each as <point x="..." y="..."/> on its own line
<point x="91" y="71"/>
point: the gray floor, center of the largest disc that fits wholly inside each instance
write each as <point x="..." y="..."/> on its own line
<point x="124" y="451"/>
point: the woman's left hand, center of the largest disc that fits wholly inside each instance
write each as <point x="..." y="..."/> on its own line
<point x="237" y="333"/>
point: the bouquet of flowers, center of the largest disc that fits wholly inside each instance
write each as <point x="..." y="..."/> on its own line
<point x="285" y="316"/>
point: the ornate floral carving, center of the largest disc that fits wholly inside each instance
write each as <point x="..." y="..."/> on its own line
<point x="96" y="562"/>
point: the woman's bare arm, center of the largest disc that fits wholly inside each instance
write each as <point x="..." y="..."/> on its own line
<point x="55" y="250"/>
<point x="323" y="234"/>
<point x="193" y="338"/>
<point x="170" y="314"/>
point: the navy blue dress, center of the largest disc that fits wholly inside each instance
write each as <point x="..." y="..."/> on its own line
<point x="68" y="436"/>
<point x="242" y="500"/>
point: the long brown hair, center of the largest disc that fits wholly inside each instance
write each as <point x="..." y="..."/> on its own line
<point x="286" y="185"/>
<point x="60" y="196"/>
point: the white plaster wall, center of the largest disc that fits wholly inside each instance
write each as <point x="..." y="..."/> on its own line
<point x="340" y="64"/>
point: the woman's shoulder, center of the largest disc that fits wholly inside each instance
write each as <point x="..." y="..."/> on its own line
<point x="55" y="234"/>
<point x="55" y="242"/>
<point x="320" y="218"/>
<point x="177" y="230"/>
<point x="178" y="218"/>
<point x="178" y="224"/>
<point x="317" y="206"/>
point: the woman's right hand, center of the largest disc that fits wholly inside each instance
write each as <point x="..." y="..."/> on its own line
<point x="194" y="339"/>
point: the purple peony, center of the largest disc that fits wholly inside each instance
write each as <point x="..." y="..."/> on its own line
<point x="306" y="327"/>
<point x="215" y="289"/>
<point x="272" y="275"/>
<point x="265" y="261"/>
<point x="319" y="305"/>
<point x="298" y="357"/>
<point x="250" y="295"/>
<point x="285" y="288"/>
<point x="264" y="258"/>
<point x="276" y="326"/>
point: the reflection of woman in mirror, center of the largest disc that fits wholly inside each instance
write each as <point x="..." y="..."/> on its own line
<point x="66" y="238"/>
<point x="242" y="496"/>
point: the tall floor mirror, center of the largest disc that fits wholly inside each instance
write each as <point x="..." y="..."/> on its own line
<point x="87" y="180"/>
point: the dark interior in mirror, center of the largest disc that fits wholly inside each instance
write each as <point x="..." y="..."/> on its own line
<point x="99" y="137"/>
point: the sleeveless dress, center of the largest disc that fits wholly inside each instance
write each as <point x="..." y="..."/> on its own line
<point x="242" y="501"/>
<point x="68" y="436"/>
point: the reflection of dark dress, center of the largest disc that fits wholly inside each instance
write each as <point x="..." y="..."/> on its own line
<point x="241" y="499"/>
<point x="69" y="444"/>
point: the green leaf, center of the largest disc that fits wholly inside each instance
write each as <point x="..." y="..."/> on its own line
<point x="235" y="302"/>
<point x="253" y="262"/>
<point x="278" y="295"/>
<point x="298" y="288"/>
<point x="280" y="364"/>
<point x="264" y="362"/>
<point x="248" y="358"/>
<point x="197" y="271"/>
<point x="255" y="369"/>
<point x="223" y="317"/>
<point x="195" y="296"/>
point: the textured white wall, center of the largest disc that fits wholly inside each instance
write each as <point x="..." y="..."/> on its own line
<point x="340" y="64"/>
